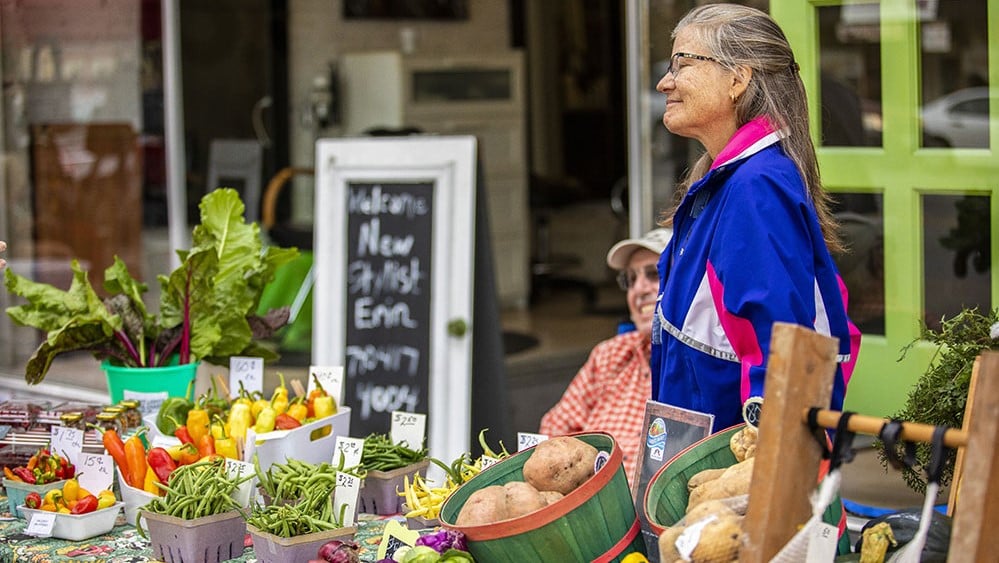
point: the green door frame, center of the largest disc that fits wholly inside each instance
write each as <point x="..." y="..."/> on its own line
<point x="902" y="172"/>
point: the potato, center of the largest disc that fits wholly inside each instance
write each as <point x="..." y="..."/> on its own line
<point x="708" y="508"/>
<point x="551" y="497"/>
<point x="734" y="481"/>
<point x="485" y="506"/>
<point x="522" y="498"/>
<point x="560" y="464"/>
<point x="667" y="544"/>
<point x="719" y="543"/>
<point x="703" y="477"/>
<point x="743" y="443"/>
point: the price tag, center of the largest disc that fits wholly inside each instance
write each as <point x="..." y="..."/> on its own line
<point x="149" y="403"/>
<point x="41" y="524"/>
<point x="527" y="440"/>
<point x="351" y="448"/>
<point x="487" y="462"/>
<point x="67" y="442"/>
<point x="347" y="487"/>
<point x="95" y="472"/>
<point x="331" y="378"/>
<point x="246" y="370"/>
<point x="236" y="469"/>
<point x="822" y="543"/>
<point x="408" y="427"/>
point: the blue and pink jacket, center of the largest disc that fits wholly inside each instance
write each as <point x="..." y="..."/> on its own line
<point x="747" y="251"/>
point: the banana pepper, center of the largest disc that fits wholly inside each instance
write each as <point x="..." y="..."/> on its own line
<point x="240" y="419"/>
<point x="279" y="400"/>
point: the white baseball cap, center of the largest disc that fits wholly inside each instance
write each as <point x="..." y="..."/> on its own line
<point x="654" y="240"/>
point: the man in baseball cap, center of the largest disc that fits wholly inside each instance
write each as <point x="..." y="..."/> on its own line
<point x="608" y="393"/>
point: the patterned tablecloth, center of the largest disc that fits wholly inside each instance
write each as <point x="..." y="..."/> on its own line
<point x="123" y="544"/>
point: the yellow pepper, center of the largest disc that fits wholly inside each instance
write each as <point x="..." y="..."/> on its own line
<point x="279" y="400"/>
<point x="197" y="423"/>
<point x="258" y="406"/>
<point x="219" y="429"/>
<point x="105" y="499"/>
<point x="48" y="507"/>
<point x="149" y="485"/>
<point x="324" y="406"/>
<point x="225" y="446"/>
<point x="63" y="509"/>
<point x="298" y="409"/>
<point x="53" y="497"/>
<point x="240" y="419"/>
<point x="71" y="490"/>
<point x="265" y="421"/>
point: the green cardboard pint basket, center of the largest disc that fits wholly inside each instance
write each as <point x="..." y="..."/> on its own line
<point x="595" y="522"/>
<point x="172" y="378"/>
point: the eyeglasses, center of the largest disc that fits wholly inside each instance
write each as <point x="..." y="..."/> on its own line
<point x="673" y="68"/>
<point x="627" y="278"/>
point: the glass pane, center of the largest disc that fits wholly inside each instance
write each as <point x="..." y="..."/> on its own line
<point x="957" y="267"/>
<point x="465" y="85"/>
<point x="862" y="267"/>
<point x="850" y="81"/>
<point x="82" y="147"/>
<point x="954" y="47"/>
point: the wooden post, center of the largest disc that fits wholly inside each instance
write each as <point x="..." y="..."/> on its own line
<point x="955" y="484"/>
<point x="800" y="375"/>
<point x="978" y="496"/>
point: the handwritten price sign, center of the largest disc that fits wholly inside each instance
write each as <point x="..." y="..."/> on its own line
<point x="95" y="472"/>
<point x="408" y="427"/>
<point x="67" y="442"/>
<point x="331" y="378"/>
<point x="246" y="370"/>
<point x="350" y="448"/>
<point x="347" y="488"/>
<point x="527" y="440"/>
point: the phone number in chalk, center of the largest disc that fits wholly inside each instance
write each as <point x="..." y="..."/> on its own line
<point x="386" y="398"/>
<point x="368" y="358"/>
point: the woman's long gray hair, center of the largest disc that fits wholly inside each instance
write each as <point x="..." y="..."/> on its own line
<point x="740" y="35"/>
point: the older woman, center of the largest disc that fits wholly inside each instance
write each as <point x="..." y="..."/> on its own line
<point x="752" y="230"/>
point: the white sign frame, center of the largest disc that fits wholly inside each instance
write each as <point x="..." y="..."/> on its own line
<point x="448" y="162"/>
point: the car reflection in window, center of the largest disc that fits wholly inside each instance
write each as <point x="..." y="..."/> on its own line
<point x="959" y="119"/>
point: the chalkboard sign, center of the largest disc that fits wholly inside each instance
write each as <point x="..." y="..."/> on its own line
<point x="394" y="256"/>
<point x="389" y="284"/>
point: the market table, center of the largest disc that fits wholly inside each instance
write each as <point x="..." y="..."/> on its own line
<point x="123" y="544"/>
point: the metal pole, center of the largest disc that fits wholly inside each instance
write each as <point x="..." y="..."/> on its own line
<point x="173" y="109"/>
<point x="640" y="210"/>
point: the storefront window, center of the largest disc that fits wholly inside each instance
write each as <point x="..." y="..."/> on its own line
<point x="957" y="252"/>
<point x="850" y="76"/>
<point x="954" y="69"/>
<point x="81" y="147"/>
<point x="860" y="217"/>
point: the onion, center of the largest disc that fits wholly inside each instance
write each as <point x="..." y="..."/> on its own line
<point x="337" y="551"/>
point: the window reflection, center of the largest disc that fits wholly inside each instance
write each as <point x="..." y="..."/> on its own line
<point x="850" y="81"/>
<point x="957" y="267"/>
<point x="862" y="265"/>
<point x="954" y="69"/>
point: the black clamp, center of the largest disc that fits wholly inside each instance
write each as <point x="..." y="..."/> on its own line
<point x="889" y="435"/>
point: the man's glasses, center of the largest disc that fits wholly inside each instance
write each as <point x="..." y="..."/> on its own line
<point x="627" y="278"/>
<point x="672" y="68"/>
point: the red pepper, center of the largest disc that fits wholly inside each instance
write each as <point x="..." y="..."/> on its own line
<point x="183" y="435"/>
<point x="285" y="421"/>
<point x="85" y="505"/>
<point x="33" y="500"/>
<point x="161" y="463"/>
<point x="25" y="474"/>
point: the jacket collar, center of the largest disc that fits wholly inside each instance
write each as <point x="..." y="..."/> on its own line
<point x="750" y="139"/>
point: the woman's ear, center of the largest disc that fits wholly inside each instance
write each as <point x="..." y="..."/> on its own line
<point x="740" y="81"/>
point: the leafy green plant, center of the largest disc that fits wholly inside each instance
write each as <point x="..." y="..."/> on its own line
<point x="207" y="306"/>
<point x="940" y="395"/>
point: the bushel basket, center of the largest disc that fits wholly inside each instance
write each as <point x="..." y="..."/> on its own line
<point x="594" y="522"/>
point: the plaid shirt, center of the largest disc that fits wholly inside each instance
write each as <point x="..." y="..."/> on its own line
<point x="608" y="395"/>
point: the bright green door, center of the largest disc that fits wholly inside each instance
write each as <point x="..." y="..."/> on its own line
<point x="906" y="122"/>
